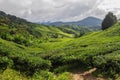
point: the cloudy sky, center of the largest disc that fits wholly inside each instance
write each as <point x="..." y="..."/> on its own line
<point x="59" y="10"/>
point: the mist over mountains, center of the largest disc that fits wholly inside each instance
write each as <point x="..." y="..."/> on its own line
<point x="86" y="22"/>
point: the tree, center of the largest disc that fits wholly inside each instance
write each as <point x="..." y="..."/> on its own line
<point x="109" y="20"/>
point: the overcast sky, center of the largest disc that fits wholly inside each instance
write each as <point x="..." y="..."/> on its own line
<point x="59" y="10"/>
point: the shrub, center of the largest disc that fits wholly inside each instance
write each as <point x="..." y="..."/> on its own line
<point x="43" y="75"/>
<point x="64" y="76"/>
<point x="29" y="65"/>
<point x="4" y="63"/>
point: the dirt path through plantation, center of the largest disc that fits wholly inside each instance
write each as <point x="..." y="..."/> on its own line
<point x="87" y="75"/>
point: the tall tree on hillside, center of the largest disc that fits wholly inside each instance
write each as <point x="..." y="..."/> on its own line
<point x="109" y="20"/>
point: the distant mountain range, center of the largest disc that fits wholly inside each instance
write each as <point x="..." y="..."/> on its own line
<point x="87" y="22"/>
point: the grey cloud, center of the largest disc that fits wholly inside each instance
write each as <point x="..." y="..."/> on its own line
<point x="52" y="10"/>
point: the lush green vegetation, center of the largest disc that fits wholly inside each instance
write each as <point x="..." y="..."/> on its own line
<point x="31" y="51"/>
<point x="109" y="21"/>
<point x="23" y="32"/>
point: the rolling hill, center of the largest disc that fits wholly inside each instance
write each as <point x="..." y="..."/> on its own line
<point x="23" y="32"/>
<point x="30" y="51"/>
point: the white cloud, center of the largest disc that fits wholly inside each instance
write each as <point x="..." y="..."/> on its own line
<point x="59" y="10"/>
<point x="110" y="6"/>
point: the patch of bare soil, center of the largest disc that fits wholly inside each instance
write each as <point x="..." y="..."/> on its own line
<point x="87" y="75"/>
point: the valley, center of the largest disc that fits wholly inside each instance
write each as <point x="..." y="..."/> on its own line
<point x="31" y="51"/>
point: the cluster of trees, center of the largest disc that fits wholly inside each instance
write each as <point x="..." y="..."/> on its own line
<point x="109" y="20"/>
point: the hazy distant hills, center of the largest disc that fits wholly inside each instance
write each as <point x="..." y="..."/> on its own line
<point x="87" y="22"/>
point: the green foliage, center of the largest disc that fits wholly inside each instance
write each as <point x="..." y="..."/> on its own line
<point x="10" y="74"/>
<point x="89" y="51"/>
<point x="22" y="60"/>
<point x="26" y="33"/>
<point x="34" y="49"/>
<point x="43" y="75"/>
<point x="46" y="75"/>
<point x="64" y="76"/>
<point x="31" y="64"/>
<point x="77" y="31"/>
<point x="109" y="20"/>
<point x="4" y="63"/>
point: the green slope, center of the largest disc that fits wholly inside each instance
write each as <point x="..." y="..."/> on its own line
<point x="99" y="49"/>
<point x="20" y="31"/>
<point x="29" y="48"/>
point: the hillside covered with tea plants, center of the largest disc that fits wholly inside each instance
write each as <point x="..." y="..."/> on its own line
<point x="30" y="51"/>
<point x="23" y="32"/>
